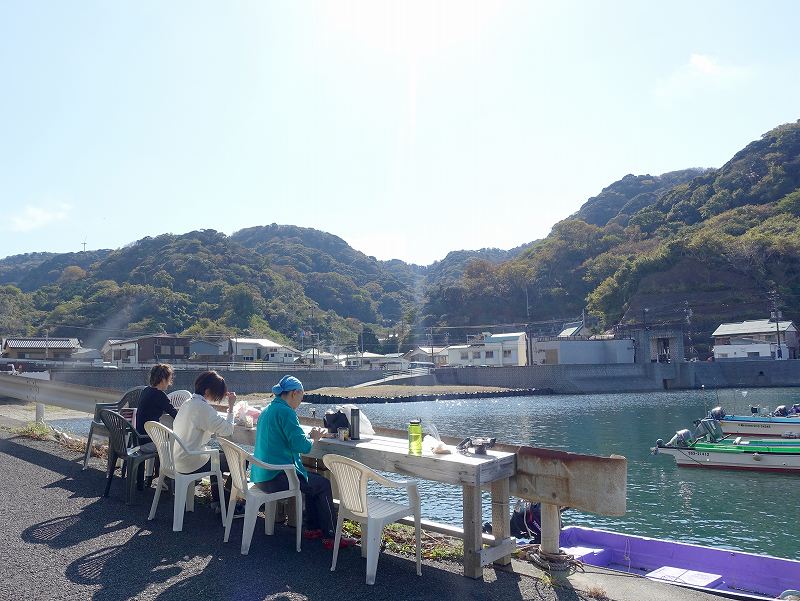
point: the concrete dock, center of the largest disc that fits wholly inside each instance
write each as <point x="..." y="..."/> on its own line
<point x="62" y="540"/>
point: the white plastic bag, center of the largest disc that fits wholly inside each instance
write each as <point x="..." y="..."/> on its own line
<point x="365" y="426"/>
<point x="431" y="444"/>
<point x="245" y="415"/>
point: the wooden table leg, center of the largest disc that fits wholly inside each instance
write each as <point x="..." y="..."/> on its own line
<point x="501" y="515"/>
<point x="473" y="540"/>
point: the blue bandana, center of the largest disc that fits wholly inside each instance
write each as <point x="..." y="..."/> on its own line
<point x="286" y="384"/>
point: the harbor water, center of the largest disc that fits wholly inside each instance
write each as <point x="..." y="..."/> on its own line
<point x="737" y="510"/>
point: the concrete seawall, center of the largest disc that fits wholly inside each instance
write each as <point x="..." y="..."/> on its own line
<point x="243" y="381"/>
<point x="561" y="379"/>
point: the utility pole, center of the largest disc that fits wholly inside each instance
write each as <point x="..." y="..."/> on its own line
<point x="688" y="313"/>
<point x="776" y="315"/>
<point x="430" y="342"/>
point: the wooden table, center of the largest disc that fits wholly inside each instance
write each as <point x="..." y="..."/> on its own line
<point x="471" y="472"/>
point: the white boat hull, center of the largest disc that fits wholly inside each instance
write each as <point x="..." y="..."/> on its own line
<point x="762" y="462"/>
<point x="761" y="426"/>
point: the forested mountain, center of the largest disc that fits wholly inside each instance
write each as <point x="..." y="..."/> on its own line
<point x="630" y="195"/>
<point x="34" y="270"/>
<point x="698" y="246"/>
<point x="705" y="250"/>
<point x="334" y="275"/>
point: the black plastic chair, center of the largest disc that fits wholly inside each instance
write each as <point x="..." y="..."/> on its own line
<point x="124" y="443"/>
<point x="98" y="428"/>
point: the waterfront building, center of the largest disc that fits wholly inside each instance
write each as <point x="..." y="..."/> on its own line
<point x="40" y="348"/>
<point x="437" y="355"/>
<point x="490" y="350"/>
<point x="167" y="348"/>
<point x="261" y="349"/>
<point x="756" y="339"/>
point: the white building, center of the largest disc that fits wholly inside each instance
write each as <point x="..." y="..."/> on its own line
<point x="429" y="354"/>
<point x="577" y="351"/>
<point x="317" y="358"/>
<point x="498" y="350"/>
<point x="756" y="339"/>
<point x="261" y="349"/>
<point x="754" y="350"/>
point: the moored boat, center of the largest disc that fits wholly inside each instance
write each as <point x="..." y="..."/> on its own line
<point x="709" y="447"/>
<point x="734" y="574"/>
<point x="782" y="422"/>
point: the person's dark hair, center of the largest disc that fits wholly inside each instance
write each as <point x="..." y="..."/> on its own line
<point x="159" y="372"/>
<point x="212" y="381"/>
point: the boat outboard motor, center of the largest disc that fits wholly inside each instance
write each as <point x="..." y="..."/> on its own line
<point x="682" y="438"/>
<point x="717" y="413"/>
<point x="780" y="411"/>
<point x="795" y="408"/>
<point x="712" y="428"/>
<point x="754" y="409"/>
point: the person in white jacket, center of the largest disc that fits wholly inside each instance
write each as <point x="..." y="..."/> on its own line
<point x="197" y="422"/>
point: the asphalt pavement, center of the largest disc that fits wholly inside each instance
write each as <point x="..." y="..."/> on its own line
<point x="60" y="539"/>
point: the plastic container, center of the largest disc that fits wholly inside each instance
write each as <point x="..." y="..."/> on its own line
<point x="415" y="437"/>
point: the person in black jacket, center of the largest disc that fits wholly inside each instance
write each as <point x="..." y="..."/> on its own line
<point x="153" y="403"/>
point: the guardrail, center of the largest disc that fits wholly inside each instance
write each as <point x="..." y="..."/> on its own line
<point x="69" y="396"/>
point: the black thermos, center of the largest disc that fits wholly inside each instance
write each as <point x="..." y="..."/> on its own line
<point x="355" y="425"/>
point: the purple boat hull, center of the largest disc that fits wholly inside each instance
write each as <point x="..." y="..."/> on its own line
<point x="731" y="573"/>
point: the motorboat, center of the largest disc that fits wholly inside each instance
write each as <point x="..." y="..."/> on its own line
<point x="782" y="422"/>
<point x="709" y="446"/>
<point x="734" y="574"/>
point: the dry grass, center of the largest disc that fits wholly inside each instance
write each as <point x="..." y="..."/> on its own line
<point x="35" y="430"/>
<point x="400" y="539"/>
<point x="597" y="592"/>
<point x="40" y="431"/>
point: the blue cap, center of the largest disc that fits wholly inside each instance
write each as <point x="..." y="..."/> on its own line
<point x="286" y="384"/>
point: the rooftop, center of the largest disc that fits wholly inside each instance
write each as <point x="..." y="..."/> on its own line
<point x="54" y="343"/>
<point x="753" y="326"/>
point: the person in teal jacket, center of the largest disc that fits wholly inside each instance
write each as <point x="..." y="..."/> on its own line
<point x="281" y="440"/>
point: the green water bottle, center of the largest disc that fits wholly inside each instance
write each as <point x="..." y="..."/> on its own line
<point x="415" y="437"/>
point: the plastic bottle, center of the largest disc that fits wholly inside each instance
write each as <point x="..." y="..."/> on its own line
<point x="415" y="437"/>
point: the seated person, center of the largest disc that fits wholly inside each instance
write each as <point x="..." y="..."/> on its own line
<point x="281" y="440"/>
<point x="153" y="403"/>
<point x="197" y="421"/>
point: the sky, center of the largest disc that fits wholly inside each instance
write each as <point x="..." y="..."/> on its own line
<point x="409" y="129"/>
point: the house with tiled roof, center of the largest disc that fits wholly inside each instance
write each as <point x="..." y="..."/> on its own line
<point x="40" y="348"/>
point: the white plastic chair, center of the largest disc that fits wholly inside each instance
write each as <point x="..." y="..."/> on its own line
<point x="254" y="497"/>
<point x="165" y="440"/>
<point x="372" y="513"/>
<point x="179" y="397"/>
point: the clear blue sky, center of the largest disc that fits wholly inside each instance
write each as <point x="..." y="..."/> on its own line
<point x="407" y="128"/>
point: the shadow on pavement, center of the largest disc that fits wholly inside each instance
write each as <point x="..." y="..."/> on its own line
<point x="129" y="556"/>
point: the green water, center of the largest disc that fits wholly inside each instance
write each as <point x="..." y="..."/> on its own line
<point x="745" y="511"/>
